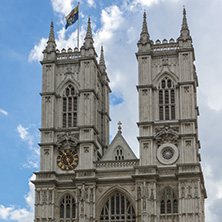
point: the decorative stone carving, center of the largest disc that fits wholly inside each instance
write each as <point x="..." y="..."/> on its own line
<point x="37" y="197"/>
<point x="144" y="204"/>
<point x="139" y="192"/>
<point x="84" y="174"/>
<point x="145" y="170"/>
<point x="167" y="153"/>
<point x="50" y="196"/>
<point x="44" y="197"/>
<point x="167" y="134"/>
<point x="196" y="192"/>
<point x="86" y="64"/>
<point x="145" y="145"/>
<point x="86" y="149"/>
<point x="144" y="60"/>
<point x="188" y="143"/>
<point x="116" y="164"/>
<point x="83" y="193"/>
<point x="47" y="99"/>
<point x="189" y="195"/>
<point x="86" y="96"/>
<point x="66" y="177"/>
<point x="186" y="89"/>
<point x="48" y="68"/>
<point x="165" y="60"/>
<point x="46" y="151"/>
<point x="67" y="140"/>
<point x="151" y="194"/>
<point x="182" y="192"/>
<point x="144" y="92"/>
<point x="91" y="194"/>
<point x="144" y="191"/>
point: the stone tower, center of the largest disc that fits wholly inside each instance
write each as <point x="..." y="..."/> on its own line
<point x="83" y="177"/>
<point x="168" y="129"/>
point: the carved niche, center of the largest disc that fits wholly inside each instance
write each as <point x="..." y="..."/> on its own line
<point x="167" y="134"/>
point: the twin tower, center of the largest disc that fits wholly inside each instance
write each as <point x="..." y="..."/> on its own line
<point x="85" y="178"/>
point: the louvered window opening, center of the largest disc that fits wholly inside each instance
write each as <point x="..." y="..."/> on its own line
<point x="69" y="107"/>
<point x="118" y="209"/>
<point x="166" y="100"/>
<point x="119" y="155"/>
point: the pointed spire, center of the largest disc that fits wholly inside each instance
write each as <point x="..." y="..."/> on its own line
<point x="144" y="42"/>
<point x="89" y="31"/>
<point x="184" y="32"/>
<point x="102" y="60"/>
<point x="145" y="29"/>
<point x="51" y="34"/>
<point x="51" y="44"/>
<point x="184" y="24"/>
<point x="88" y="48"/>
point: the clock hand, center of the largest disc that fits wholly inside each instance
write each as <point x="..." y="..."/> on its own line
<point x="67" y="159"/>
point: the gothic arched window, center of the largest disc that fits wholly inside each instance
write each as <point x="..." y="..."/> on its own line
<point x="168" y="203"/>
<point x="118" y="209"/>
<point x="69" y="107"/>
<point x="67" y="208"/>
<point x="166" y="95"/>
<point x="119" y="154"/>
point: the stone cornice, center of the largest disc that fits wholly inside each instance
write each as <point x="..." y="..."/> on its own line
<point x="50" y="94"/>
<point x="148" y="86"/>
<point x="89" y="127"/>
<point x="89" y="91"/>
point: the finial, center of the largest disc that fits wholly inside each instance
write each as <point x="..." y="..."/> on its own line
<point x="184" y="24"/>
<point x="144" y="29"/>
<point x="89" y="31"/>
<point x="185" y="32"/>
<point x="144" y="35"/>
<point x="51" y="34"/>
<point x="119" y="126"/>
<point x="51" y="44"/>
<point x="102" y="60"/>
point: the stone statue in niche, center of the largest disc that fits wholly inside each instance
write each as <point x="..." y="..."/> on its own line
<point x="83" y="193"/>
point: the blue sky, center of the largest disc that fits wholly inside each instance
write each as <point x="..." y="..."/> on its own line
<point x="116" y="24"/>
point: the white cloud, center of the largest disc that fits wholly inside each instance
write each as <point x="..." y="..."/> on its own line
<point x="148" y="2"/>
<point x="3" y="112"/>
<point x="29" y="138"/>
<point x="5" y="212"/>
<point x="36" y="52"/>
<point x="91" y="3"/>
<point x="61" y="6"/>
<point x="24" y="134"/>
<point x="111" y="18"/>
<point x="21" y="214"/>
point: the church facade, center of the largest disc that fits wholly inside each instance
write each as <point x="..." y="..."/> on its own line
<point x="85" y="178"/>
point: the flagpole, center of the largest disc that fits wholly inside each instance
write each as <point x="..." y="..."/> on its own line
<point x="78" y="30"/>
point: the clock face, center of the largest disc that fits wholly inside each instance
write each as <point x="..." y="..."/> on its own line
<point x="67" y="159"/>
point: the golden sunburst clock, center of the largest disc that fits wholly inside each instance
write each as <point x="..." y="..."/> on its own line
<point x="67" y="159"/>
